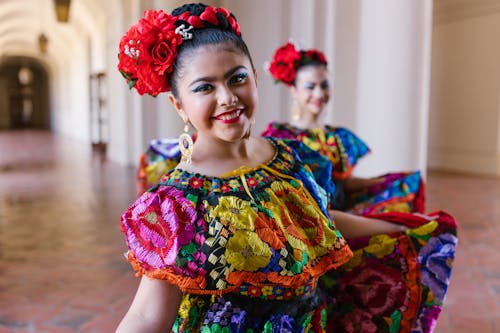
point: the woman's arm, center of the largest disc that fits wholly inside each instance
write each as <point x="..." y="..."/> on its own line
<point x="354" y="184"/>
<point x="153" y="309"/>
<point x="353" y="226"/>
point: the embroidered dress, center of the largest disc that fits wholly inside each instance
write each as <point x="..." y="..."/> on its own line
<point x="161" y="156"/>
<point x="246" y="249"/>
<point x="394" y="283"/>
<point x="402" y="191"/>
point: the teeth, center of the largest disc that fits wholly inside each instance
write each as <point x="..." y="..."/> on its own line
<point x="229" y="116"/>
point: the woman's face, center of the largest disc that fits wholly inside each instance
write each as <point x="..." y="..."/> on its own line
<point x="217" y="92"/>
<point x="312" y="89"/>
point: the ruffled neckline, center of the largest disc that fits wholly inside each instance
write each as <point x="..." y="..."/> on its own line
<point x="282" y="161"/>
<point x="292" y="128"/>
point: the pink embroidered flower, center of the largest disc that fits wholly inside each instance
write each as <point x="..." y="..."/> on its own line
<point x="357" y="322"/>
<point x="157" y="225"/>
<point x="377" y="287"/>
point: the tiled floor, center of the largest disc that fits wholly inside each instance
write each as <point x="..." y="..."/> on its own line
<point x="61" y="268"/>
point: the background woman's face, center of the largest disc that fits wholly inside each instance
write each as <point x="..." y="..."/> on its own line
<point x="312" y="89"/>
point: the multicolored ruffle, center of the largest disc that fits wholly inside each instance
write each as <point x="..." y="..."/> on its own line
<point x="161" y="156"/>
<point x="395" y="282"/>
<point x="398" y="192"/>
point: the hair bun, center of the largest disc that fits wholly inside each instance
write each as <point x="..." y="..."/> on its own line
<point x="194" y="8"/>
<point x="202" y="16"/>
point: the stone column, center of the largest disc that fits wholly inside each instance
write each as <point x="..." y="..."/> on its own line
<point x="392" y="83"/>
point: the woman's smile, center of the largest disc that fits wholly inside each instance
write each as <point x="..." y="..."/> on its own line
<point x="229" y="117"/>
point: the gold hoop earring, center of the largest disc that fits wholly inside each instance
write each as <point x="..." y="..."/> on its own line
<point x="247" y="134"/>
<point x="186" y="144"/>
<point x="295" y="111"/>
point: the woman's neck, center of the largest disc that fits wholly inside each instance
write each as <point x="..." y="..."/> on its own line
<point x="215" y="158"/>
<point x="308" y="121"/>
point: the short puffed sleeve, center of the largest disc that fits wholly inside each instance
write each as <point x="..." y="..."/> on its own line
<point x="350" y="145"/>
<point x="160" y="229"/>
<point x="319" y="166"/>
<point x="161" y="156"/>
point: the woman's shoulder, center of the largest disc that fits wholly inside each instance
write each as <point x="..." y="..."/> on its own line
<point x="339" y="130"/>
<point x="347" y="138"/>
<point x="280" y="130"/>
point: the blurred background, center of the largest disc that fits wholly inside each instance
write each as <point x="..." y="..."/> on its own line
<point x="418" y="80"/>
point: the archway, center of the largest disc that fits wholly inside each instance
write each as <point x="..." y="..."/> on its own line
<point x="24" y="94"/>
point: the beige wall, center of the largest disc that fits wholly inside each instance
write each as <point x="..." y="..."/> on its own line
<point x="464" y="111"/>
<point x="378" y="53"/>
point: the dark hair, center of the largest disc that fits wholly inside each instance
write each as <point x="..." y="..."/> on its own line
<point x="221" y="34"/>
<point x="310" y="63"/>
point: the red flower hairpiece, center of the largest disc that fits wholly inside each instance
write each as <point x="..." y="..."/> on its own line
<point x="148" y="50"/>
<point x="288" y="58"/>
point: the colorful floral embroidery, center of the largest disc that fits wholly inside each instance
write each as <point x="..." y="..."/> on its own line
<point x="384" y="288"/>
<point x="260" y="226"/>
<point x="436" y="258"/>
<point x="235" y="212"/>
<point x="247" y="252"/>
<point x="402" y="192"/>
<point x="339" y="145"/>
<point x="238" y="246"/>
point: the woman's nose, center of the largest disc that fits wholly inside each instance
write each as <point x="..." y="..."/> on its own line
<point x="319" y="92"/>
<point x="225" y="97"/>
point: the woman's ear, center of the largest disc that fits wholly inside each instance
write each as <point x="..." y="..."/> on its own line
<point x="176" y="103"/>
<point x="255" y="74"/>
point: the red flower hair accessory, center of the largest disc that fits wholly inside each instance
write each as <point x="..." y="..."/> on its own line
<point x="288" y="58"/>
<point x="148" y="50"/>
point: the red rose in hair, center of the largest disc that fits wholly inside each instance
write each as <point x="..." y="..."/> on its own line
<point x="287" y="59"/>
<point x="284" y="72"/>
<point x="316" y="55"/>
<point x="282" y="67"/>
<point x="287" y="54"/>
<point x="155" y="49"/>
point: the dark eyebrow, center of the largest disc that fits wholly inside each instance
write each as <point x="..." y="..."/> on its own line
<point x="228" y="74"/>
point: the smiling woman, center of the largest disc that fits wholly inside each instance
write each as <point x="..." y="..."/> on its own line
<point x="237" y="235"/>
